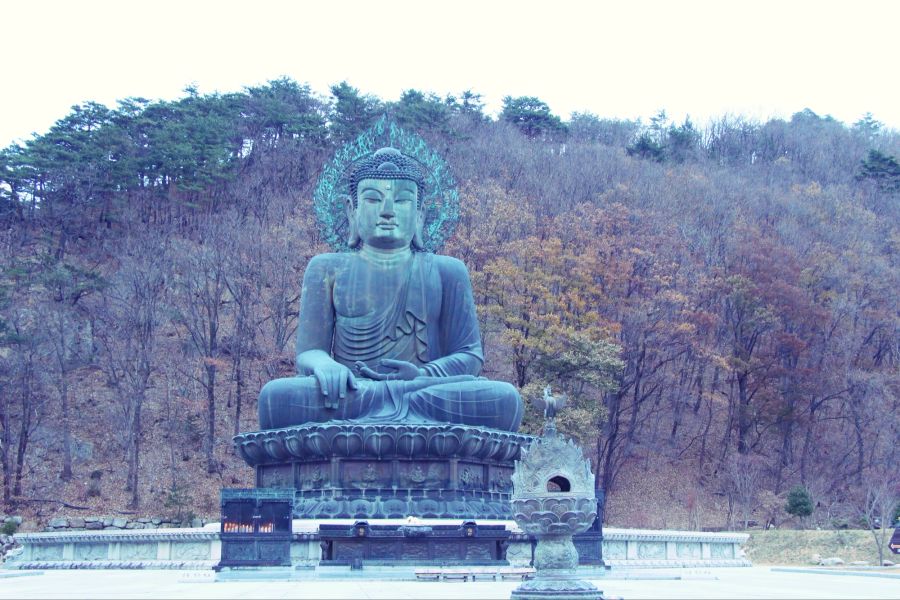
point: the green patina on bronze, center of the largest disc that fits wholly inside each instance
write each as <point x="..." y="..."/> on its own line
<point x="440" y="200"/>
<point x="387" y="399"/>
<point x="388" y="334"/>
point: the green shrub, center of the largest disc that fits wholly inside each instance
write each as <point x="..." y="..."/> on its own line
<point x="176" y="499"/>
<point x="799" y="502"/>
<point x="8" y="528"/>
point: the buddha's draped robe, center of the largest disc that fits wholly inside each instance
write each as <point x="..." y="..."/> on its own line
<point x="428" y="320"/>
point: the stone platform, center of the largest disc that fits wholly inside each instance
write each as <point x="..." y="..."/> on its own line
<point x="387" y="470"/>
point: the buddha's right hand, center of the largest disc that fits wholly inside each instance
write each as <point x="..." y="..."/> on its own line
<point x="334" y="381"/>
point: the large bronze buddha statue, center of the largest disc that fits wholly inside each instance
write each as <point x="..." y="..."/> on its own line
<point x="388" y="332"/>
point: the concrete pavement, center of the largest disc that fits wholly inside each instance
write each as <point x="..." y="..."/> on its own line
<point x="738" y="583"/>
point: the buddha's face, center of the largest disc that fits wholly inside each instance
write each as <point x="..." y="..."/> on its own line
<point x="386" y="212"/>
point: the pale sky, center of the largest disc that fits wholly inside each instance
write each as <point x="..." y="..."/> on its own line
<point x="619" y="59"/>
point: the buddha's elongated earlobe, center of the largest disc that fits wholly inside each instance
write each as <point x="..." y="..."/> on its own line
<point x="418" y="241"/>
<point x="353" y="240"/>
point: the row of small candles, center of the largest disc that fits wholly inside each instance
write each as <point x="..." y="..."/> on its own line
<point x="231" y="527"/>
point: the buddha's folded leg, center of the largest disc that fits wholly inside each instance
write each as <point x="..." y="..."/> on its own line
<point x="483" y="402"/>
<point x="297" y="400"/>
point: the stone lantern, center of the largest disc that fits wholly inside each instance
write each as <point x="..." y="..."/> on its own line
<point x="553" y="499"/>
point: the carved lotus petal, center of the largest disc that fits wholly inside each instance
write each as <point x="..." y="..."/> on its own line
<point x="551" y="516"/>
<point x="411" y="444"/>
<point x="490" y="447"/>
<point x="429" y="508"/>
<point x="544" y="520"/>
<point x="458" y="431"/>
<point x="317" y="444"/>
<point x="252" y="452"/>
<point x="395" y="508"/>
<point x="361" y="508"/>
<point x="509" y="448"/>
<point x="347" y="443"/>
<point x="275" y="448"/>
<point x="525" y="508"/>
<point x="472" y="443"/>
<point x="558" y="528"/>
<point x="331" y="507"/>
<point x="571" y="518"/>
<point x="444" y="443"/>
<point x="294" y="445"/>
<point x="379" y="443"/>
<point x="559" y="508"/>
<point x="474" y="506"/>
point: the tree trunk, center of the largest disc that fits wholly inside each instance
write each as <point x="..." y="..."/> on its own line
<point x="211" y="466"/>
<point x="135" y="455"/>
<point x="20" y="452"/>
<point x="66" y="473"/>
<point x="238" y="392"/>
<point x="611" y="437"/>
<point x="743" y="413"/>
<point x="25" y="400"/>
<point x="4" y="462"/>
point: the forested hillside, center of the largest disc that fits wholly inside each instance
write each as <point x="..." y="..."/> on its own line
<point x="720" y="302"/>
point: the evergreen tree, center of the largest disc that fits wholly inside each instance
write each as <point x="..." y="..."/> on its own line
<point x="799" y="502"/>
<point x="647" y="148"/>
<point x="417" y="111"/>
<point x="531" y="116"/>
<point x="881" y="169"/>
<point x="351" y="112"/>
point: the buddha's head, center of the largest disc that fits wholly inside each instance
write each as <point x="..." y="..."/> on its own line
<point x="384" y="206"/>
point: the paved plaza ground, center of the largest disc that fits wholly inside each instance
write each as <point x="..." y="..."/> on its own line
<point x="750" y="582"/>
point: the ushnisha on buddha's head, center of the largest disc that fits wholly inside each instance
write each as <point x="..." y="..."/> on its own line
<point x="384" y="208"/>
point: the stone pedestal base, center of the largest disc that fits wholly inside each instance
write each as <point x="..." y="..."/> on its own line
<point x="565" y="586"/>
<point x="556" y="559"/>
<point x="387" y="470"/>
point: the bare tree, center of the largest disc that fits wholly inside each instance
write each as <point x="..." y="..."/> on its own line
<point x="743" y="478"/>
<point x="23" y="401"/>
<point x="880" y="497"/>
<point x="67" y="284"/>
<point x="128" y="316"/>
<point x="244" y="278"/>
<point x="201" y="294"/>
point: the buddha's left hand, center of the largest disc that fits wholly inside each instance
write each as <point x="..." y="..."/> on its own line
<point x="398" y="369"/>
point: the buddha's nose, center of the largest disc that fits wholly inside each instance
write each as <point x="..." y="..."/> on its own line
<point x="387" y="207"/>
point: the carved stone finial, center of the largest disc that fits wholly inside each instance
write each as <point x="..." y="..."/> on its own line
<point x="553" y="499"/>
<point x="552" y="405"/>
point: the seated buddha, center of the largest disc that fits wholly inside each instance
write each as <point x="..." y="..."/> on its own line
<point x="388" y="332"/>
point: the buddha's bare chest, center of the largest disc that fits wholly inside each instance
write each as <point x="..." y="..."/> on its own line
<point x="357" y="291"/>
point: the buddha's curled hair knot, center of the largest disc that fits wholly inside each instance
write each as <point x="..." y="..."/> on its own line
<point x="387" y="163"/>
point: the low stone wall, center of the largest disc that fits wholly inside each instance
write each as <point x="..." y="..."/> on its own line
<point x="666" y="548"/>
<point x="192" y="548"/>
<point x="119" y="523"/>
<point x="201" y="548"/>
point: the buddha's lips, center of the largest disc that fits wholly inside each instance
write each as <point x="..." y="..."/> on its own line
<point x="387" y="225"/>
